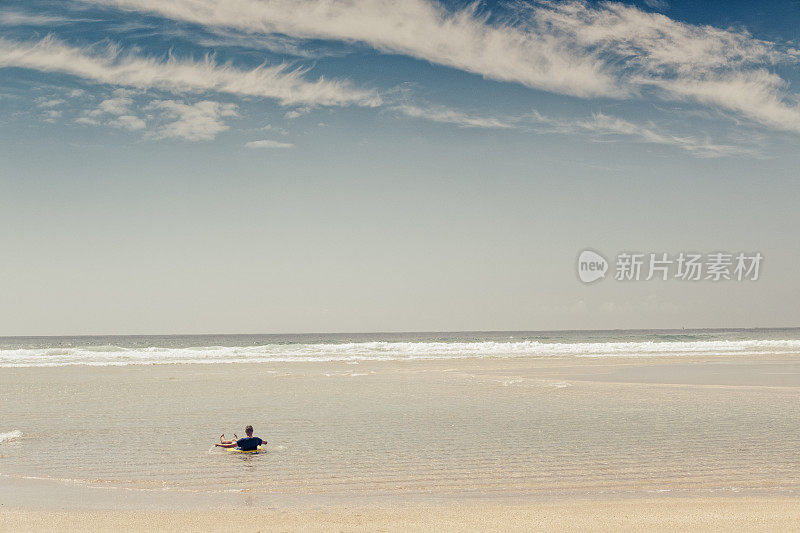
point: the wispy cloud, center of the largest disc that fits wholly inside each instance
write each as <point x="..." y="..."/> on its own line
<point x="680" y="61"/>
<point x="574" y="48"/>
<point x="10" y="17"/>
<point x="179" y="76"/>
<point x="758" y="95"/>
<point x="599" y="126"/>
<point x="277" y="44"/>
<point x="451" y="116"/>
<point x="607" y="127"/>
<point x="417" y="28"/>
<point x="266" y="143"/>
<point x="660" y="5"/>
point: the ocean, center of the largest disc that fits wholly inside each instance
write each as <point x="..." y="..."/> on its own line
<point x="399" y="416"/>
<point x="211" y="349"/>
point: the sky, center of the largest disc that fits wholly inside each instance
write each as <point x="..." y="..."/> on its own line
<point x="280" y="166"/>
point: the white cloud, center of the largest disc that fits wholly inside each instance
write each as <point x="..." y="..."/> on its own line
<point x="450" y="116"/>
<point x="201" y="121"/>
<point x="758" y="95"/>
<point x="299" y="112"/>
<point x="114" y="106"/>
<point x="723" y="68"/>
<point x="574" y="48"/>
<point x="49" y="102"/>
<point x="269" y="127"/>
<point x="87" y="121"/>
<point x="108" y="66"/>
<point x="605" y="126"/>
<point x="128" y="122"/>
<point x="119" y="107"/>
<point x="266" y="143"/>
<point x="413" y="27"/>
<point x="51" y="115"/>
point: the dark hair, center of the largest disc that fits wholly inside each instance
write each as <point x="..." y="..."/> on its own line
<point x="248" y="429"/>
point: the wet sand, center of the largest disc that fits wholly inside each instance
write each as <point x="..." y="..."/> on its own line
<point x="695" y="514"/>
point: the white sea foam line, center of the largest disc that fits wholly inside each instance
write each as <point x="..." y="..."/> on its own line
<point x="377" y="351"/>
<point x="10" y="435"/>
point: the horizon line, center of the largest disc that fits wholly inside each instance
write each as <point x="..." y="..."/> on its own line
<point x="588" y="330"/>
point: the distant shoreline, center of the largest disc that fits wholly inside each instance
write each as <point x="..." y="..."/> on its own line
<point x="402" y="332"/>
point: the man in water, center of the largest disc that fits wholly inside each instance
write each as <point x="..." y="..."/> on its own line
<point x="246" y="444"/>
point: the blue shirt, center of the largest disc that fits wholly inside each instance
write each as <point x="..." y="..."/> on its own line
<point x="248" y="443"/>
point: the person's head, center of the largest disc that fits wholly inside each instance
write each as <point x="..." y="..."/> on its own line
<point x="249" y="431"/>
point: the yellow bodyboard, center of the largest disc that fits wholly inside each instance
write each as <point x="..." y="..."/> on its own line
<point x="261" y="448"/>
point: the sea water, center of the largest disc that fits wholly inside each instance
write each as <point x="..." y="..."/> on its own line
<point x="392" y="415"/>
<point x="211" y="349"/>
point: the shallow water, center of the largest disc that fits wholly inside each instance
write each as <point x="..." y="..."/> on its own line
<point x="470" y="427"/>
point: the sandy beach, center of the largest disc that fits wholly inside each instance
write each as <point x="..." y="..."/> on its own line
<point x="695" y="514"/>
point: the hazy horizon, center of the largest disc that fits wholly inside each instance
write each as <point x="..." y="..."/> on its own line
<point x="376" y="333"/>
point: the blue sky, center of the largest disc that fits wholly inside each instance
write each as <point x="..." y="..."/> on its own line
<point x="277" y="166"/>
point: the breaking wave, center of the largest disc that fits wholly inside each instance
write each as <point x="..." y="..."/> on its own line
<point x="381" y="351"/>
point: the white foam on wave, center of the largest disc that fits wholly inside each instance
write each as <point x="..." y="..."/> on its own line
<point x="383" y="351"/>
<point x="347" y="374"/>
<point x="10" y="435"/>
